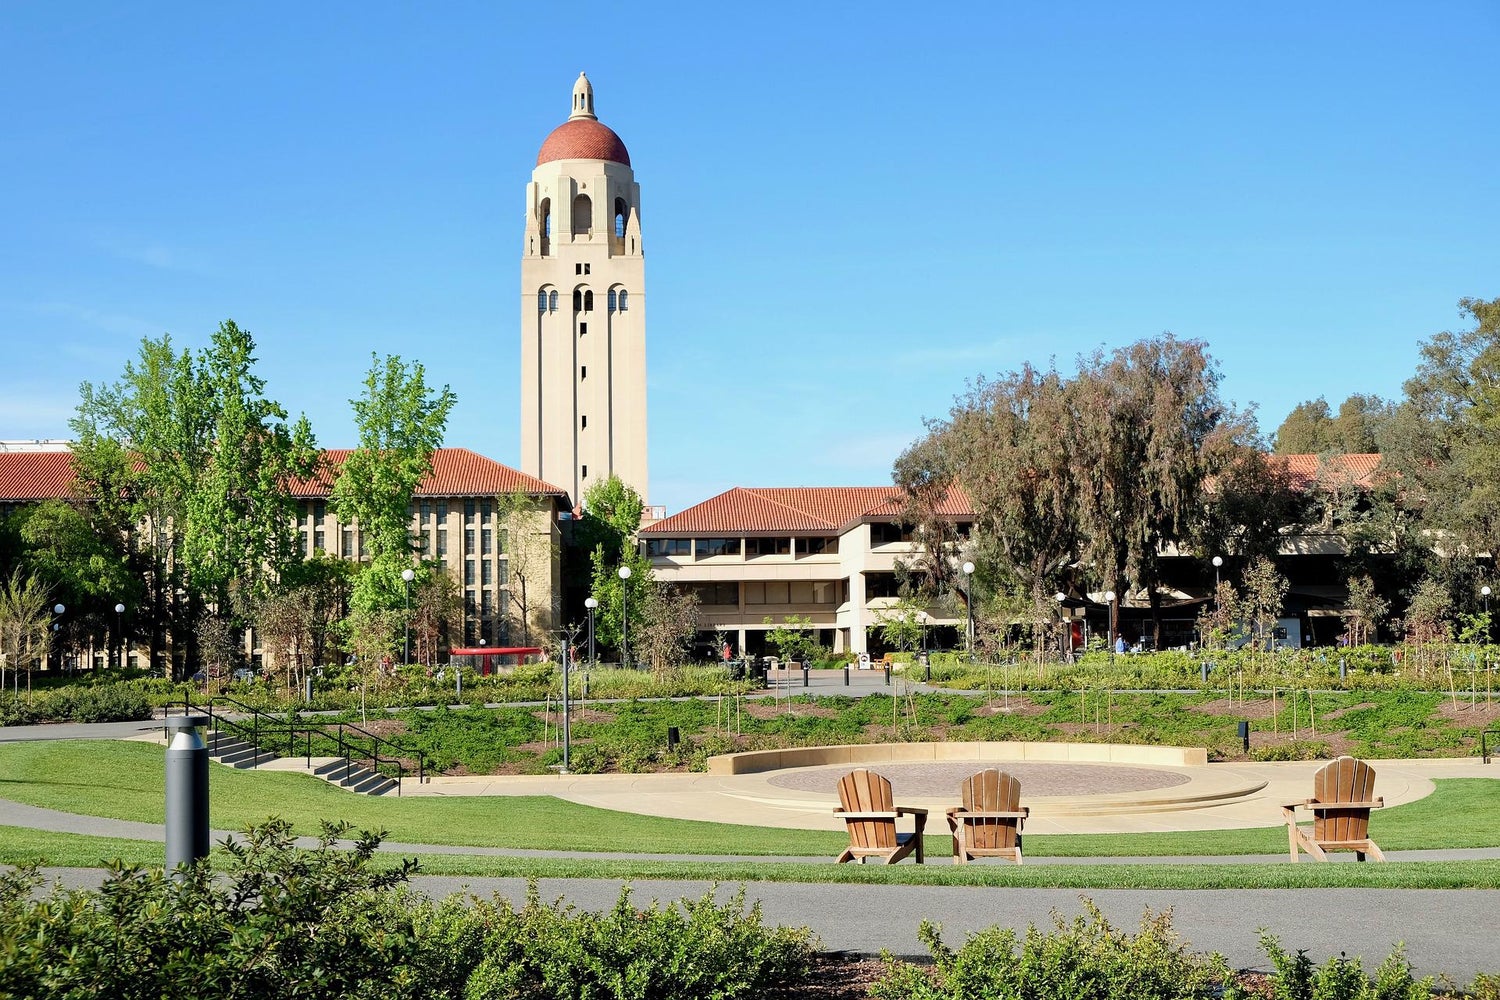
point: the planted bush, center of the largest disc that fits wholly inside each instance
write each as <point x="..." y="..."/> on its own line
<point x="1083" y="958"/>
<point x="1340" y="978"/>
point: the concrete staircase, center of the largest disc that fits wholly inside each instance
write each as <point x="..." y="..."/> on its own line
<point x="229" y="749"/>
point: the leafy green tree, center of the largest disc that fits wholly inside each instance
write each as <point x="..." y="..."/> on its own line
<point x="1264" y="596"/>
<point x="437" y="614"/>
<point x="1306" y="430"/>
<point x="670" y="623"/>
<point x="1444" y="442"/>
<point x="188" y="447"/>
<point x="793" y="639"/>
<point x="618" y="597"/>
<point x="25" y="625"/>
<point x="1366" y="610"/>
<point x="401" y="423"/>
<point x="1313" y="429"/>
<point x="903" y="625"/>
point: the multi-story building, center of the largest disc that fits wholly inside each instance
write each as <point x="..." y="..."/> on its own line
<point x="494" y="529"/>
<point x="824" y="553"/>
<point x="583" y="309"/>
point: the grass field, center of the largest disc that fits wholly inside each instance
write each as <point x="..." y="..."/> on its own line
<point x="124" y="780"/>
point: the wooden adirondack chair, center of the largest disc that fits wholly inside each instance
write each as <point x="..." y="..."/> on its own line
<point x="988" y="824"/>
<point x="1340" y="805"/>
<point x="870" y="814"/>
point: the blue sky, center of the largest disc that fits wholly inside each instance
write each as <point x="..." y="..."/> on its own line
<point x="849" y="210"/>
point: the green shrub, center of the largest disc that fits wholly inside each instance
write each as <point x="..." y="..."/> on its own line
<point x="1084" y="958"/>
<point x="1296" y="978"/>
<point x="1295" y="750"/>
<point x="675" y="952"/>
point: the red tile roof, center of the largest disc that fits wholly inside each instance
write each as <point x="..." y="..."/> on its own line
<point x="32" y="476"/>
<point x="793" y="510"/>
<point x="1358" y="470"/>
<point x="29" y="476"/>
<point x="583" y="139"/>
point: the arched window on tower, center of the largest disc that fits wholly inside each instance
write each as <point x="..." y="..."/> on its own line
<point x="620" y="213"/>
<point x="583" y="215"/>
<point x="577" y="300"/>
<point x="611" y="300"/>
<point x="544" y="224"/>
<point x="541" y="301"/>
<point x="624" y="300"/>
<point x="552" y="301"/>
<point x="588" y="301"/>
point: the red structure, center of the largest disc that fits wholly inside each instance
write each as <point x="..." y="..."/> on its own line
<point x="485" y="656"/>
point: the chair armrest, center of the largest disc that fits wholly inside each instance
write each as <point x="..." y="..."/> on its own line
<point x="1301" y="804"/>
<point x="1022" y="813"/>
<point x="1377" y="803"/>
<point x="910" y="811"/>
<point x="864" y="815"/>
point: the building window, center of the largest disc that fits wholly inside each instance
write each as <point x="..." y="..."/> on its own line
<point x="504" y="573"/>
<point x="583" y="215"/>
<point x="718" y="547"/>
<point x="578" y="300"/>
<point x="611" y="300"/>
<point x="469" y="573"/>
<point x="347" y="548"/>
<point x="442" y="542"/>
<point x="426" y="543"/>
<point x="468" y="541"/>
<point x="770" y="592"/>
<point x="442" y="510"/>
<point x="504" y="540"/>
<point x="317" y="539"/>
<point x="468" y="511"/>
<point x="583" y="373"/>
<point x="669" y="547"/>
<point x="552" y="301"/>
<point x="717" y="594"/>
<point x="588" y="301"/>
<point x="889" y="534"/>
<point x="817" y="546"/>
<point x="768" y="547"/>
<point x="585" y="472"/>
<point x="624" y="300"/>
<point x="585" y="421"/>
<point x="577" y="268"/>
<point x="487" y="573"/>
<point x="583" y="329"/>
<point x="484" y="512"/>
<point x="486" y="542"/>
<point x="541" y="301"/>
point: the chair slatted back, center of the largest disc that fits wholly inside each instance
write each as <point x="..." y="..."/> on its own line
<point x="1343" y="780"/>
<point x="867" y="791"/>
<point x="991" y="791"/>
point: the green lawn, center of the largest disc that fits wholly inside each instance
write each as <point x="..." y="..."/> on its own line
<point x="71" y="776"/>
<point x="20" y="846"/>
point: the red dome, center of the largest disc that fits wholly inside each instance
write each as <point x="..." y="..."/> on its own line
<point x="583" y="139"/>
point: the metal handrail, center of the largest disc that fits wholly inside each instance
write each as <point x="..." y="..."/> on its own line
<point x="255" y="729"/>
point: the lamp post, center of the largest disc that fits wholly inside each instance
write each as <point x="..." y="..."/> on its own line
<point x="120" y="632"/>
<point x="406" y="578"/>
<point x="625" y="617"/>
<point x="1109" y="596"/>
<point x="1064" y="647"/>
<point x="592" y="605"/>
<point x="1217" y="561"/>
<point x="62" y="658"/>
<point x="1485" y="592"/>
<point x="922" y="620"/>
<point x="968" y="569"/>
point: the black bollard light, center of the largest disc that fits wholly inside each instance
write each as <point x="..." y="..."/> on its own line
<point x="846" y="675"/>
<point x="674" y="737"/>
<point x="187" y="791"/>
<point x="1343" y="670"/>
<point x="806" y="675"/>
<point x="1244" y="728"/>
<point x="1203" y="666"/>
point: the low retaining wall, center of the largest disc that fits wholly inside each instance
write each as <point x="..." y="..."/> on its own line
<point x="753" y="761"/>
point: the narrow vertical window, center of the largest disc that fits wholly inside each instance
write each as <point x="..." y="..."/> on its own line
<point x="588" y="301"/>
<point x="552" y="301"/>
<point x="611" y="300"/>
<point x="541" y="301"/>
<point x="624" y="300"/>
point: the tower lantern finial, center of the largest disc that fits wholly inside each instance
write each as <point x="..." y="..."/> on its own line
<point x="583" y="99"/>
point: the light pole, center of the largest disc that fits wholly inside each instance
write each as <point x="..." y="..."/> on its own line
<point x="591" y="604"/>
<point x="922" y="620"/>
<point x="625" y="617"/>
<point x="1217" y="561"/>
<point x="968" y="569"/>
<point x="1109" y="596"/>
<point x="120" y="632"/>
<point x="1063" y="645"/>
<point x="62" y="657"/>
<point x="406" y="578"/>
<point x="1485" y="592"/>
